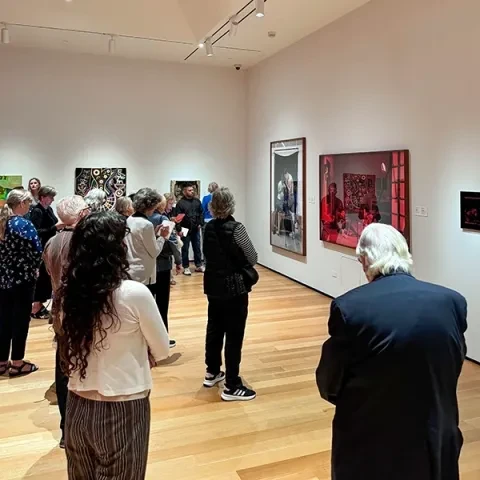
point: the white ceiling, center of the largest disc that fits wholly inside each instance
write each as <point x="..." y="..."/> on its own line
<point x="174" y="27"/>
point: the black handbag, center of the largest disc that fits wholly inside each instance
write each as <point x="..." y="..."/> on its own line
<point x="250" y="276"/>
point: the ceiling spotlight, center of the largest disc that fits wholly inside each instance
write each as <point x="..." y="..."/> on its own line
<point x="111" y="45"/>
<point x="5" y="34"/>
<point x="260" y="8"/>
<point x="201" y="45"/>
<point x="209" y="47"/>
<point x="233" y="28"/>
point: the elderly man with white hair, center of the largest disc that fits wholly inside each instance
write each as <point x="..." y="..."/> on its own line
<point x="391" y="367"/>
<point x="69" y="210"/>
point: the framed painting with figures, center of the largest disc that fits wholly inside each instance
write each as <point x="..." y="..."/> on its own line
<point x="357" y="189"/>
<point x="287" y="195"/>
<point x="7" y="184"/>
<point x="113" y="181"/>
<point x="177" y="186"/>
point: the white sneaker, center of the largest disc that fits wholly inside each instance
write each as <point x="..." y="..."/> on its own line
<point x="187" y="272"/>
<point x="211" y="380"/>
<point x="200" y="269"/>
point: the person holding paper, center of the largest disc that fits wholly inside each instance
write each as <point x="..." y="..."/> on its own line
<point x="164" y="263"/>
<point x="144" y="242"/>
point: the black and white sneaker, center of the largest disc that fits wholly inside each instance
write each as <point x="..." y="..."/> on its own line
<point x="241" y="393"/>
<point x="211" y="380"/>
<point x="173" y="343"/>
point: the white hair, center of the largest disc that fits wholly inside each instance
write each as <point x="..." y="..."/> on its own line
<point x="96" y="199"/>
<point x="384" y="250"/>
<point x="70" y="208"/>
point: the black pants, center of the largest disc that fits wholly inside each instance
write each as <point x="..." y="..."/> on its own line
<point x="227" y="318"/>
<point x="15" y="309"/>
<point x="43" y="290"/>
<point x="61" y="386"/>
<point x="161" y="292"/>
<point x="194" y="238"/>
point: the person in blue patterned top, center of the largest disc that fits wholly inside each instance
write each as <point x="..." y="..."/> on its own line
<point x="20" y="256"/>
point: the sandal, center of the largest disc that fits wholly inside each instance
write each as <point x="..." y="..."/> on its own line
<point x="19" y="371"/>
<point x="4" y="368"/>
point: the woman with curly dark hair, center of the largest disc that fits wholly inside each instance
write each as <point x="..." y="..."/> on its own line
<point x="111" y="329"/>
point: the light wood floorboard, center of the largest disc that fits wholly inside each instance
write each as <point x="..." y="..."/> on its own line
<point x="282" y="435"/>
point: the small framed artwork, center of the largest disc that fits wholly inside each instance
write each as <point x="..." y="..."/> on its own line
<point x="7" y="184"/>
<point x="470" y="210"/>
<point x="357" y="189"/>
<point x="288" y="195"/>
<point x="177" y="186"/>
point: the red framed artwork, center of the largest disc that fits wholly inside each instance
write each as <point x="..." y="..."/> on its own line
<point x="357" y="189"/>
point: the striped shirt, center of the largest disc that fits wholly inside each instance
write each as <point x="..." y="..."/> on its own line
<point x="241" y="238"/>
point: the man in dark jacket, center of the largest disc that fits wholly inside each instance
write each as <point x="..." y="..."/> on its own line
<point x="193" y="221"/>
<point x="391" y="367"/>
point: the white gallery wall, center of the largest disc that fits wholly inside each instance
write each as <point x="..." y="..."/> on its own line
<point x="393" y="74"/>
<point x="161" y="121"/>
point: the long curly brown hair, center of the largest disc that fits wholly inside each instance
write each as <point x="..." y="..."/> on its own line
<point x="97" y="265"/>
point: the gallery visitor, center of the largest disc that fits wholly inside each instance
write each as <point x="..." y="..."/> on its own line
<point x="207" y="216"/>
<point x="34" y="185"/>
<point x="124" y="206"/>
<point x="144" y="242"/>
<point x="20" y="256"/>
<point x="70" y="211"/>
<point x="46" y="223"/>
<point x="164" y="265"/>
<point x="191" y="206"/>
<point x="229" y="277"/>
<point x="110" y="328"/>
<point x="96" y="200"/>
<point x="391" y="367"/>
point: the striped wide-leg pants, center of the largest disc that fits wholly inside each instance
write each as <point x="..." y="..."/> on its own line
<point x="107" y="440"/>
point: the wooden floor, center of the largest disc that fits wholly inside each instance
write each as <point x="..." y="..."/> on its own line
<point x="282" y="435"/>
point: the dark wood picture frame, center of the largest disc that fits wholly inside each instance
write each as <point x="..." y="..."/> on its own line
<point x="289" y="234"/>
<point x="470" y="210"/>
<point x="389" y="179"/>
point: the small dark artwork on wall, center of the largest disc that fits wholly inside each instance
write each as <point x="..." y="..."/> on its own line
<point x="357" y="189"/>
<point x="470" y="210"/>
<point x="177" y="186"/>
<point x="112" y="180"/>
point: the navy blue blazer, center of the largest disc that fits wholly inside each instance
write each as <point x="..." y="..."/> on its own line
<point x="391" y="367"/>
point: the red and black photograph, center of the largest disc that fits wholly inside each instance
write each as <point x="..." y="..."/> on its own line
<point x="470" y="210"/>
<point x="357" y="189"/>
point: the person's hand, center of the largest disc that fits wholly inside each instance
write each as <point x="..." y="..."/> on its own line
<point x="164" y="232"/>
<point x="151" y="359"/>
<point x="60" y="226"/>
<point x="179" y="269"/>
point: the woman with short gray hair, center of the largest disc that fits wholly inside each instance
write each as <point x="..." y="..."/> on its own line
<point x="20" y="255"/>
<point x="144" y="243"/>
<point x="229" y="277"/>
<point x="96" y="199"/>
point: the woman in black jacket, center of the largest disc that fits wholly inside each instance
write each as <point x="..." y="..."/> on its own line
<point x="46" y="223"/>
<point x="229" y="256"/>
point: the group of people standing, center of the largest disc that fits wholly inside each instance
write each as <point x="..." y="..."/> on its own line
<point x="110" y="274"/>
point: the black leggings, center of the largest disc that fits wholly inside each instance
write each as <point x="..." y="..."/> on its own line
<point x="15" y="309"/>
<point x="161" y="292"/>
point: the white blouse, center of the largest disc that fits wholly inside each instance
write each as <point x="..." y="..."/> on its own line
<point x="121" y="366"/>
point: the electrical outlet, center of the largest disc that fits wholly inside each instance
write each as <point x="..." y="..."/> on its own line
<point x="421" y="211"/>
<point x="311" y="199"/>
<point x="334" y="274"/>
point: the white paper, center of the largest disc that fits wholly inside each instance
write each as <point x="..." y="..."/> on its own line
<point x="184" y="231"/>
<point x="170" y="225"/>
